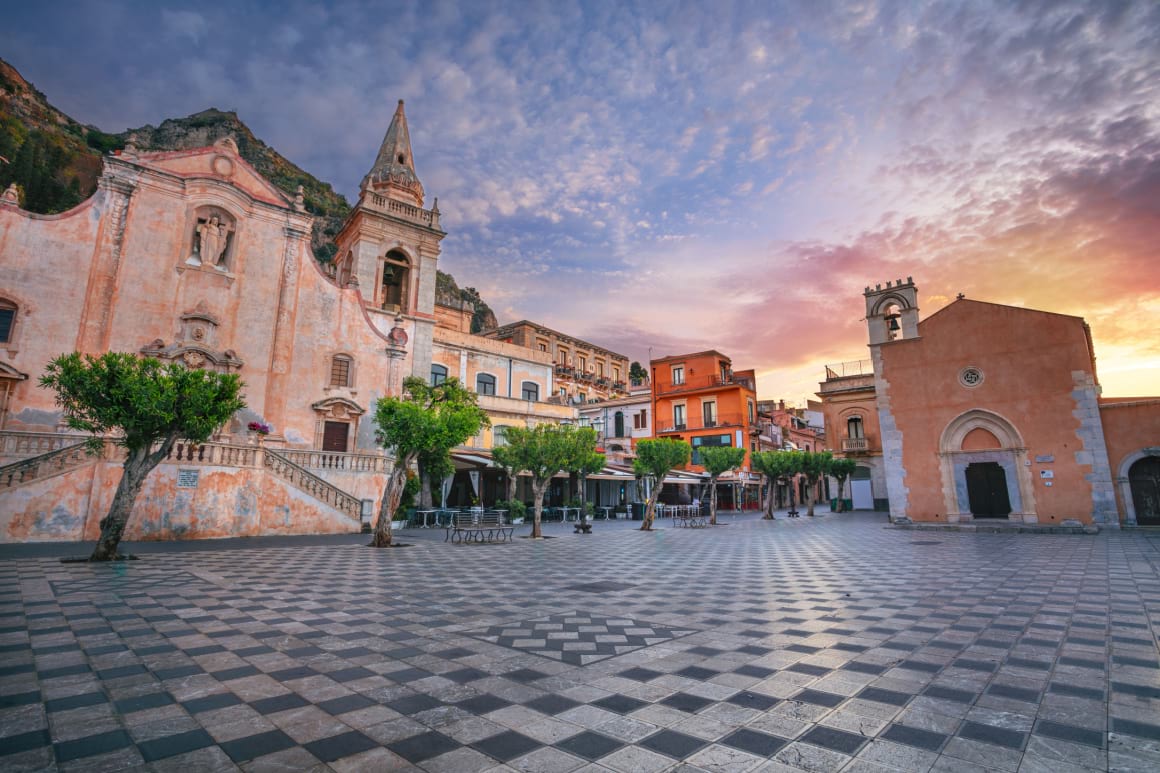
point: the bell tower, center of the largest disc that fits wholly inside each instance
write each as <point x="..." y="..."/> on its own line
<point x="892" y="311"/>
<point x="389" y="247"/>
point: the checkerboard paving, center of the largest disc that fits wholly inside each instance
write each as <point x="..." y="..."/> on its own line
<point x="817" y="644"/>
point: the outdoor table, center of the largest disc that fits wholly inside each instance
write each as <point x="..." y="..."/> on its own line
<point x="425" y="513"/>
<point x="607" y="512"/>
<point x="566" y="510"/>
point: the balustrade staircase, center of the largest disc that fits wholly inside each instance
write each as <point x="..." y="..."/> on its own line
<point x="56" y="462"/>
<point x="69" y="453"/>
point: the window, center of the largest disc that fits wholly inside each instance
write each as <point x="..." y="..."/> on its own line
<point x="751" y="416"/>
<point x="618" y="424"/>
<point x="543" y="347"/>
<point x="7" y="321"/>
<point x="679" y="416"/>
<point x="616" y="374"/>
<point x="563" y="391"/>
<point x="499" y="436"/>
<point x="340" y="371"/>
<point x="715" y="441"/>
<point x="531" y="391"/>
<point x="709" y="413"/>
<point x="854" y="427"/>
<point x="485" y="384"/>
<point x="640" y="420"/>
<point x="600" y="369"/>
<point x="438" y="374"/>
<point x="678" y="375"/>
<point x="583" y="364"/>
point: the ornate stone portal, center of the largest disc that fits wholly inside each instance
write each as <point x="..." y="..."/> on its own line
<point x="195" y="344"/>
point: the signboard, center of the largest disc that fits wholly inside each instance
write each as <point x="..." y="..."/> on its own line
<point x="187" y="478"/>
<point x="1048" y="474"/>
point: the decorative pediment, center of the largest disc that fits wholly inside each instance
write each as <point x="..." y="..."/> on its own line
<point x="220" y="161"/>
<point x="9" y="372"/>
<point x="196" y="344"/>
<point x="338" y="408"/>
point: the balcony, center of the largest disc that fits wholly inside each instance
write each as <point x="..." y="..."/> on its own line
<point x="694" y="383"/>
<point x="731" y="420"/>
<point x="855" y="444"/>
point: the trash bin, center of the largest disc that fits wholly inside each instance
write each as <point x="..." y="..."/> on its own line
<point x="847" y="505"/>
<point x="638" y="511"/>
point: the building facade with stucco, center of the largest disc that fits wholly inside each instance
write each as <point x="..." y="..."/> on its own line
<point x="192" y="257"/>
<point x="987" y="411"/>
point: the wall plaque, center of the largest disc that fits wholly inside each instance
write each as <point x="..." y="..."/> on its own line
<point x="187" y="478"/>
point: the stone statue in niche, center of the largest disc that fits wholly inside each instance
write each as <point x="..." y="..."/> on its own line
<point x="213" y="237"/>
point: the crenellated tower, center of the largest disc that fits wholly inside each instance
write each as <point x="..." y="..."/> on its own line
<point x="892" y="311"/>
<point x="389" y="246"/>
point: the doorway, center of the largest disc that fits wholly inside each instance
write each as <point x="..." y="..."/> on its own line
<point x="334" y="436"/>
<point x="987" y="490"/>
<point x="1144" y="479"/>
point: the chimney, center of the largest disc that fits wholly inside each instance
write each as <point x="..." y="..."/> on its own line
<point x="781" y="405"/>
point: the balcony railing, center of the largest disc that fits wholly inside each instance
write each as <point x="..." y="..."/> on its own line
<point x="700" y="422"/>
<point x="704" y="382"/>
<point x="852" y="368"/>
<point x="855" y="444"/>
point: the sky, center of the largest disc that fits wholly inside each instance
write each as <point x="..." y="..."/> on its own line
<point x="667" y="177"/>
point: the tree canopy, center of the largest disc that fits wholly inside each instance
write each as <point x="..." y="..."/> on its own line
<point x="544" y="450"/>
<point x="717" y="460"/>
<point x="428" y="420"/>
<point x="141" y="403"/>
<point x="637" y="372"/>
<point x="841" y="468"/>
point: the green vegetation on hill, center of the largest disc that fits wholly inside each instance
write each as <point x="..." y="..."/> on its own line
<point x="55" y="162"/>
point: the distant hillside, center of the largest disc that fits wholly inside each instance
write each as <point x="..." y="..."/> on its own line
<point x="448" y="293"/>
<point x="56" y="162"/>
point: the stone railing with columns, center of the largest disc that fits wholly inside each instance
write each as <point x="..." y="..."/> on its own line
<point x="309" y="483"/>
<point x="332" y="460"/>
<point x="55" y="462"/>
<point x="402" y="210"/>
<point x="21" y="445"/>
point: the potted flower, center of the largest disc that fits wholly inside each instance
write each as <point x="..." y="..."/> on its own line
<point x="259" y="430"/>
<point x="516" y="510"/>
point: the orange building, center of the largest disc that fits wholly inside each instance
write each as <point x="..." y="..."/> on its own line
<point x="699" y="398"/>
<point x="992" y="411"/>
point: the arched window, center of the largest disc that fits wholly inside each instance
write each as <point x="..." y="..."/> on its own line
<point x="345" y="270"/>
<point x="854" y="428"/>
<point x="438" y="374"/>
<point x="499" y="436"/>
<point x="531" y="391"/>
<point x="618" y="424"/>
<point x="7" y="321"/>
<point x="396" y="273"/>
<point x="340" y="370"/>
<point x="485" y="384"/>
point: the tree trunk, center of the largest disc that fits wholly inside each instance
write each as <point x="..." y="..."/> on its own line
<point x="425" y="501"/>
<point x="650" y="509"/>
<point x="811" y="491"/>
<point x="139" y="463"/>
<point x="841" y="506"/>
<point x="392" y="495"/>
<point x="538" y="490"/>
<point x="511" y="486"/>
<point x="712" y="501"/>
<point x="770" y="488"/>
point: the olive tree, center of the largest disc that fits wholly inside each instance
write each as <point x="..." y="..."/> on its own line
<point x="841" y="469"/>
<point x="654" y="460"/>
<point x="775" y="466"/>
<point x="814" y="465"/>
<point x="718" y="460"/>
<point x="584" y="461"/>
<point x="148" y="406"/>
<point x="426" y="420"/>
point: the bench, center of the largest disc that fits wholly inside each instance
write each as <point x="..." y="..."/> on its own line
<point x="478" y="527"/>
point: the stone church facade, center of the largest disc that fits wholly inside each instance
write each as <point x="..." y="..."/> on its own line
<point x="191" y="256"/>
<point x="985" y="411"/>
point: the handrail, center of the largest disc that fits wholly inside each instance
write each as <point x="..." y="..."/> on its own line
<point x="213" y="454"/>
<point x="55" y="462"/>
<point x="311" y="484"/>
<point x="703" y="382"/>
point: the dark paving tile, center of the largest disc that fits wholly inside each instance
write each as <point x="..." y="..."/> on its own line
<point x="22" y="742"/>
<point x="230" y="674"/>
<point x="483" y="704"/>
<point x="686" y="702"/>
<point x="864" y="668"/>
<point x="75" y="702"/>
<point x="172" y="745"/>
<point x="1138" y="729"/>
<point x="1075" y="691"/>
<point x="424" y="746"/>
<point x="278" y="703"/>
<point x="525" y="675"/>
<point x="211" y="702"/>
<point x="806" y="668"/>
<point x="346" y="703"/>
<point x="879" y="695"/>
<point x="949" y="694"/>
<point x="465" y="675"/>
<point x="999" y="736"/>
<point x="413" y="704"/>
<point x="552" y="704"/>
<point x="507" y="746"/>
<point x="1071" y="733"/>
<point x="1014" y="693"/>
<point x="589" y="745"/>
<point x="640" y="674"/>
<point x="350" y="674"/>
<point x="754" y="742"/>
<point x="818" y="698"/>
<point x="259" y="745"/>
<point x="753" y="700"/>
<point x="151" y="700"/>
<point x="698" y="673"/>
<point x="621" y="704"/>
<point x="832" y="738"/>
<point x="337" y="747"/>
<point x="92" y="745"/>
<point x="913" y="736"/>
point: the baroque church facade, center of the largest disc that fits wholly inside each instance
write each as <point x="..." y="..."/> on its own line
<point x="191" y="256"/>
